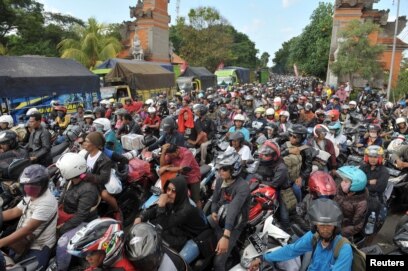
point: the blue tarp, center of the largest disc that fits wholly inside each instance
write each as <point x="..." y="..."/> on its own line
<point x="110" y="63"/>
<point x="42" y="76"/>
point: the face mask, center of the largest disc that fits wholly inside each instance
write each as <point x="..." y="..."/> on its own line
<point x="345" y="186"/>
<point x="32" y="191"/>
<point x="373" y="135"/>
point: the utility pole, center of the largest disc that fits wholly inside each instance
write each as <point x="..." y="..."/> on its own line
<point x="393" y="52"/>
<point x="178" y="9"/>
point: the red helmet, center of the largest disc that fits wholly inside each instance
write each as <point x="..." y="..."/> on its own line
<point x="60" y="108"/>
<point x="269" y="151"/>
<point x="262" y="199"/>
<point x="334" y="114"/>
<point x="321" y="184"/>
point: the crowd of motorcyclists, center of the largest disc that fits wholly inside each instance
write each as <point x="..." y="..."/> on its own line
<point x="293" y="134"/>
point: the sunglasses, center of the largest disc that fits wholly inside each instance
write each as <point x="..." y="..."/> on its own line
<point x="224" y="168"/>
<point x="171" y="190"/>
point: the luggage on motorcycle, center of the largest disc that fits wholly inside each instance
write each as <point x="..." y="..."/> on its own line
<point x="289" y="199"/>
<point x="294" y="162"/>
<point x="20" y="131"/>
<point x="206" y="242"/>
<point x="114" y="186"/>
<point x="137" y="169"/>
<point x="359" y="257"/>
<point x="132" y="142"/>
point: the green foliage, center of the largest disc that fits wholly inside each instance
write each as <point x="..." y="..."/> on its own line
<point x="356" y="54"/>
<point x="310" y="50"/>
<point x="208" y="39"/>
<point x="95" y="43"/>
<point x="402" y="88"/>
<point x="264" y="60"/>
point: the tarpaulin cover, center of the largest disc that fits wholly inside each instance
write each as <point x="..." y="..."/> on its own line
<point x="207" y="78"/>
<point x="110" y="63"/>
<point x="142" y="76"/>
<point x="242" y="73"/>
<point x="41" y="76"/>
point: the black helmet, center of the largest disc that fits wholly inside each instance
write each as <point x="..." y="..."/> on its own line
<point x="99" y="109"/>
<point x="325" y="212"/>
<point x="237" y="136"/>
<point x="298" y="129"/>
<point x="229" y="159"/>
<point x="401" y="234"/>
<point x="144" y="247"/>
<point x="8" y="138"/>
<point x="201" y="109"/>
<point x="168" y="124"/>
<point x="35" y="175"/>
<point x="72" y="133"/>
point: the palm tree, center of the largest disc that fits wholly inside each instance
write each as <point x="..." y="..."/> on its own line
<point x="93" y="46"/>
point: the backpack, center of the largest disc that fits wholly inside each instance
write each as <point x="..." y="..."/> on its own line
<point x="359" y="257"/>
<point x="294" y="162"/>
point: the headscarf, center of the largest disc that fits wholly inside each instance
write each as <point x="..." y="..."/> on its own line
<point x="183" y="124"/>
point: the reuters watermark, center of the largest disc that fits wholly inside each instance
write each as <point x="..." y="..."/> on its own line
<point x="386" y="262"/>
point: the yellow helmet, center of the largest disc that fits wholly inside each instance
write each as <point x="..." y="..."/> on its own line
<point x="260" y="110"/>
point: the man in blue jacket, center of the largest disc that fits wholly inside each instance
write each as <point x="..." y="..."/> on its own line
<point x="326" y="217"/>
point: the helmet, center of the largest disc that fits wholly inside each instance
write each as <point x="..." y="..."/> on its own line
<point x="334" y="115"/>
<point x="237" y="136"/>
<point x="222" y="216"/>
<point x="320" y="128"/>
<point x="149" y="102"/>
<point x="374" y="127"/>
<point x="270" y="112"/>
<point x="320" y="112"/>
<point x="111" y="100"/>
<point x="32" y="111"/>
<point x="277" y="101"/>
<point x="321" y="184"/>
<point x="285" y="114"/>
<point x="374" y="151"/>
<point x="389" y="105"/>
<point x="223" y="111"/>
<point x="89" y="116"/>
<point x="102" y="123"/>
<point x="249" y="98"/>
<point x="239" y="117"/>
<point x="336" y="126"/>
<point x="201" y="109"/>
<point x="8" y="138"/>
<point x="71" y="165"/>
<point x="121" y="112"/>
<point x="308" y="107"/>
<point x="144" y="247"/>
<point x="73" y="133"/>
<point x="345" y="107"/>
<point x="325" y="212"/>
<point x="357" y="177"/>
<point x="104" y="102"/>
<point x="99" y="109"/>
<point x="151" y="110"/>
<point x="60" y="108"/>
<point x="102" y="234"/>
<point x="298" y="129"/>
<point x="7" y="119"/>
<point x="35" y="175"/>
<point x="303" y="98"/>
<point x="335" y="97"/>
<point x="54" y="103"/>
<point x="353" y="103"/>
<point x="269" y="151"/>
<point x="230" y="159"/>
<point x="397" y="121"/>
<point x="260" y="110"/>
<point x="168" y="124"/>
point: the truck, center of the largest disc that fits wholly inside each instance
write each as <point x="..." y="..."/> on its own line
<point x="196" y="78"/>
<point x="232" y="75"/>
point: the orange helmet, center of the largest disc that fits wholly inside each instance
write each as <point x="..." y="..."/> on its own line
<point x="334" y="114"/>
<point x="60" y="108"/>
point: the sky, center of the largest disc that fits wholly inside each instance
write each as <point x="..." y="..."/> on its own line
<point x="268" y="23"/>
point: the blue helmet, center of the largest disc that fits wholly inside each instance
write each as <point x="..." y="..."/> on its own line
<point x="357" y="177"/>
<point x="335" y="125"/>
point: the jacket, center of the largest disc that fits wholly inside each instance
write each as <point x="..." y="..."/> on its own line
<point x="101" y="171"/>
<point x="307" y="159"/>
<point x="172" y="138"/>
<point x="78" y="199"/>
<point x="180" y="221"/>
<point x="274" y="174"/>
<point x="380" y="173"/>
<point x="39" y="143"/>
<point x="354" y="210"/>
<point x="237" y="195"/>
<point x="323" y="258"/>
<point x="6" y="158"/>
<point x="329" y="147"/>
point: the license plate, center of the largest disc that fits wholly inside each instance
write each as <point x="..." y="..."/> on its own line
<point x="257" y="243"/>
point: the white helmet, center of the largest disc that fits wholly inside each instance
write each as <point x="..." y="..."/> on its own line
<point x="285" y="114"/>
<point x="400" y="120"/>
<point x="389" y="105"/>
<point x="8" y="119"/>
<point x="71" y="165"/>
<point x="31" y="111"/>
<point x="270" y="112"/>
<point x="54" y="103"/>
<point x="149" y="102"/>
<point x="104" y="102"/>
<point x="239" y="117"/>
<point x="353" y="103"/>
<point x="151" y="110"/>
<point x="277" y="100"/>
<point x="103" y="122"/>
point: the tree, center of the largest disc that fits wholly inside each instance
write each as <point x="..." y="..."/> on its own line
<point x="264" y="59"/>
<point x="208" y="39"/>
<point x="401" y="90"/>
<point x="282" y="56"/>
<point x="357" y="56"/>
<point x="95" y="44"/>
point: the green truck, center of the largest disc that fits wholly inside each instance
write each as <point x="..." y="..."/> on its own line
<point x="232" y="75"/>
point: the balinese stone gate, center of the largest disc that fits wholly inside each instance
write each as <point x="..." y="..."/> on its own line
<point x="148" y="36"/>
<point x="347" y="10"/>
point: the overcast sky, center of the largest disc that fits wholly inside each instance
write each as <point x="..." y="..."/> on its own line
<point x="268" y="23"/>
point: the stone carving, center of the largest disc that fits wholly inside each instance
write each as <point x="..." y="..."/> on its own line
<point x="137" y="50"/>
<point x="352" y="3"/>
<point x="136" y="12"/>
